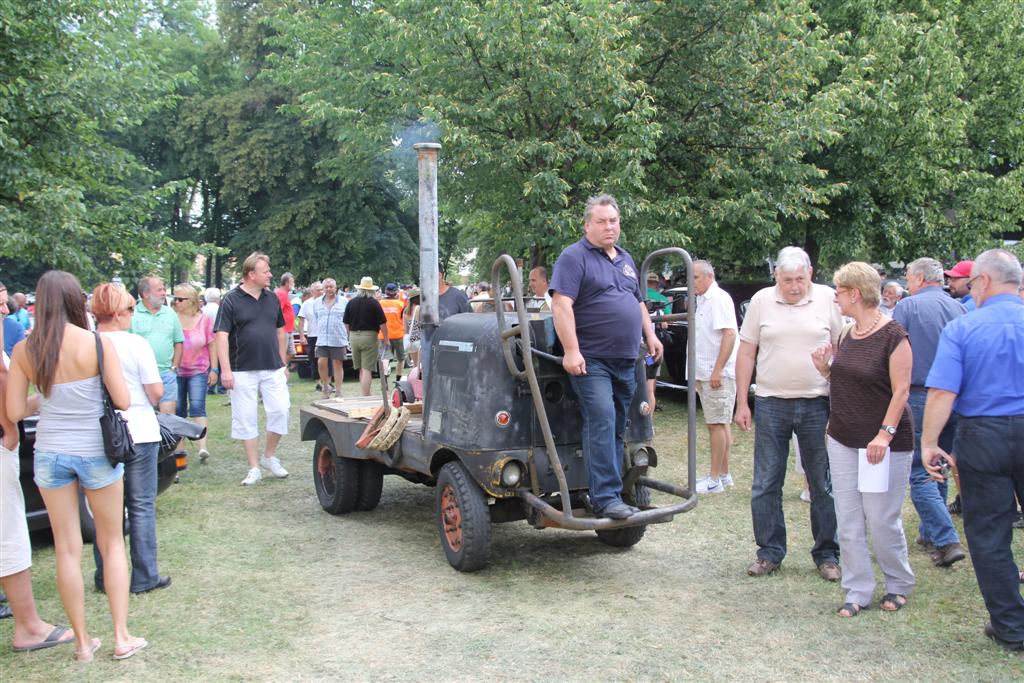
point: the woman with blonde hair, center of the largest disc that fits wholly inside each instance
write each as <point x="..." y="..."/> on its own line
<point x="60" y="358"/>
<point x="869" y="377"/>
<point x="113" y="307"/>
<point x="199" y="368"/>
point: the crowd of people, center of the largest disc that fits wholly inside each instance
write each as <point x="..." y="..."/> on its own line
<point x="866" y="377"/>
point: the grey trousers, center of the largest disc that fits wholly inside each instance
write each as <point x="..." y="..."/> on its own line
<point x="857" y="512"/>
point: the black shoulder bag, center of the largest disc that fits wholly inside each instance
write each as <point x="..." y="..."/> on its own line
<point x="117" y="440"/>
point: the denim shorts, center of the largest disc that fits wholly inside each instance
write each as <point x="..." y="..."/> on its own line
<point x="54" y="470"/>
<point x="191" y="395"/>
<point x="170" y="381"/>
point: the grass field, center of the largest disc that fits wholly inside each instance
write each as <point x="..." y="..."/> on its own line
<point x="267" y="586"/>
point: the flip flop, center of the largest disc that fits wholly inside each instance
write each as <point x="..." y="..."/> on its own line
<point x="131" y="651"/>
<point x="79" y="654"/>
<point x="53" y="639"/>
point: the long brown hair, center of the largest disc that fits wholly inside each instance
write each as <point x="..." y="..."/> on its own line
<point x="59" y="300"/>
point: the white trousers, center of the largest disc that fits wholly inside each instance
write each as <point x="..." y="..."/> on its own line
<point x="272" y="385"/>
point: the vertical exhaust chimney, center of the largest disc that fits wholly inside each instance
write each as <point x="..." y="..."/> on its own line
<point x="426" y="157"/>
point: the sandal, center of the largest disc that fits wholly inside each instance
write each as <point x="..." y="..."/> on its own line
<point x="895" y="601"/>
<point x="86" y="656"/>
<point x="852" y="609"/>
<point x="126" y="651"/>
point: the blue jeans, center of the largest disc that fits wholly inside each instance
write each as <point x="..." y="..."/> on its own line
<point x="605" y="394"/>
<point x="140" y="499"/>
<point x="192" y="395"/>
<point x="775" y="421"/>
<point x="928" y="495"/>
<point x="990" y="457"/>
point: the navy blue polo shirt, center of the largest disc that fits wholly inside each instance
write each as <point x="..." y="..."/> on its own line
<point x="981" y="359"/>
<point x="606" y="299"/>
<point x="251" y="325"/>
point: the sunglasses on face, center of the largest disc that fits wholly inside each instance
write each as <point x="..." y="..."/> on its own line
<point x="181" y="298"/>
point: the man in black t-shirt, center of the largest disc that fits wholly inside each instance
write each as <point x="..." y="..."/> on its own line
<point x="364" y="320"/>
<point x="252" y="347"/>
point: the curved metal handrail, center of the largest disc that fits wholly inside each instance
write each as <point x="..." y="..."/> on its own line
<point x="529" y="373"/>
<point x="691" y="355"/>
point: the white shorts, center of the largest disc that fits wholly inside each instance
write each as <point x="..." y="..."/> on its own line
<point x="272" y="385"/>
<point x="15" y="548"/>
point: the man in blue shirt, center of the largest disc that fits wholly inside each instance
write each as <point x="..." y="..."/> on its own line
<point x="924" y="315"/>
<point x="979" y="373"/>
<point x="599" y="316"/>
<point x="19" y="311"/>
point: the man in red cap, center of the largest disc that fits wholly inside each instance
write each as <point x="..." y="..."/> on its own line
<point x="958" y="277"/>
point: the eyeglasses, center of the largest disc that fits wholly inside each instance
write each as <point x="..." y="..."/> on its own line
<point x="970" y="281"/>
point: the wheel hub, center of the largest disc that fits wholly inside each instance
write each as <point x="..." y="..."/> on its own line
<point x="325" y="468"/>
<point x="451" y="518"/>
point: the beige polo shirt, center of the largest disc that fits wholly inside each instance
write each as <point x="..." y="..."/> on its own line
<point x="785" y="335"/>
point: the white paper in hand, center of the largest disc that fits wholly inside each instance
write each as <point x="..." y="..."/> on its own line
<point x="872" y="478"/>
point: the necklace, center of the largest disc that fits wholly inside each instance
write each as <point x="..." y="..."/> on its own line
<point x="861" y="333"/>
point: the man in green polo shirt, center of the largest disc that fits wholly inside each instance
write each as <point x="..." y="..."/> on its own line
<point x="159" y="325"/>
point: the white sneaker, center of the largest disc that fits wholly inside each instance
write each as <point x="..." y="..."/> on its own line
<point x="726" y="480"/>
<point x="709" y="485"/>
<point x="254" y="476"/>
<point x="274" y="465"/>
<point x="805" y="496"/>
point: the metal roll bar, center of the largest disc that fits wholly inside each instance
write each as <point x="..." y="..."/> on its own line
<point x="522" y="330"/>
<point x="691" y="355"/>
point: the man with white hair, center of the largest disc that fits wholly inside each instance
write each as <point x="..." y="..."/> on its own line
<point x="978" y="373"/>
<point x="715" y="371"/>
<point x="212" y="297"/>
<point x="923" y="316"/>
<point x="892" y="292"/>
<point x="783" y="325"/>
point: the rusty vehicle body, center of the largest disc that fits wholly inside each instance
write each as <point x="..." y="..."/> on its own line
<point x="498" y="433"/>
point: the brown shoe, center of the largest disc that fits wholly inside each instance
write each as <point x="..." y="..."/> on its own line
<point x="762" y="567"/>
<point x="829" y="571"/>
<point x="947" y="555"/>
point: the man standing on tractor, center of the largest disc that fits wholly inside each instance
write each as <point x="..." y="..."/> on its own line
<point x="599" y="315"/>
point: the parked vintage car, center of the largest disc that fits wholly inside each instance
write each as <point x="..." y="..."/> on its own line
<point x="169" y="464"/>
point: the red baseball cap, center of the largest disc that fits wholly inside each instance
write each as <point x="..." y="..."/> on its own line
<point x="962" y="269"/>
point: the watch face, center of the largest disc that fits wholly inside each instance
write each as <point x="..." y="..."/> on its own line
<point x="890" y="430"/>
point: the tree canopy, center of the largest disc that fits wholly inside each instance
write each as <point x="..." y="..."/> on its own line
<point x="136" y="136"/>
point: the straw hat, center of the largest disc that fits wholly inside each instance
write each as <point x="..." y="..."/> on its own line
<point x="367" y="283"/>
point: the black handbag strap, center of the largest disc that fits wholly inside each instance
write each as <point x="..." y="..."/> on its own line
<point x="99" y="361"/>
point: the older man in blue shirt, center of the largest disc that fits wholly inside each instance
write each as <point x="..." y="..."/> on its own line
<point x="923" y="316"/>
<point x="599" y="316"/>
<point x="979" y="374"/>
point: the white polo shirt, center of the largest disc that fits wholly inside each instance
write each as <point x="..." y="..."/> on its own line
<point x="785" y="335"/>
<point x="715" y="314"/>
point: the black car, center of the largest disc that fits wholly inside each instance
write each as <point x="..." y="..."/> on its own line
<point x="168" y="467"/>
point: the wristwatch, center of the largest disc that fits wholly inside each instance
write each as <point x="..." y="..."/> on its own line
<point x="889" y="429"/>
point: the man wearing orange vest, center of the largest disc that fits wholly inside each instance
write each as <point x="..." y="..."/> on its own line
<point x="394" y="307"/>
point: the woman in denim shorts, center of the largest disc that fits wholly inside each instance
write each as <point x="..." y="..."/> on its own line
<point x="60" y="360"/>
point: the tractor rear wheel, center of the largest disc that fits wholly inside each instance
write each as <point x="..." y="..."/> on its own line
<point x="463" y="518"/>
<point x="336" y="478"/>
<point x="371" y="482"/>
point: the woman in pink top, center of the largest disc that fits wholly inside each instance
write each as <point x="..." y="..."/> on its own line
<point x="199" y="368"/>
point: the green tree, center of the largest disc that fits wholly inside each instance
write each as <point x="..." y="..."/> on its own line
<point x="74" y="77"/>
